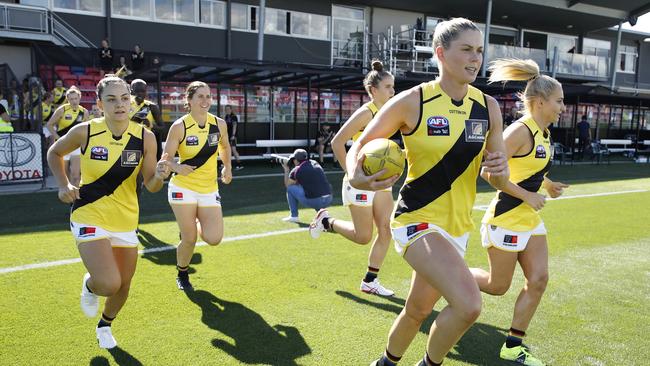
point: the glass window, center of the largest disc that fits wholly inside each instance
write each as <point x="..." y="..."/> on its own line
<point x="348" y="27"/>
<point x="258" y="104"/>
<point x="184" y="10"/>
<point x="239" y="16"/>
<point x="164" y="9"/>
<point x="283" y="105"/>
<point x="213" y="12"/>
<point x="310" y="25"/>
<point x="135" y="8"/>
<point x="234" y="97"/>
<point x="275" y="21"/>
<point x="627" y="59"/>
<point x="348" y="13"/>
<point x="91" y="6"/>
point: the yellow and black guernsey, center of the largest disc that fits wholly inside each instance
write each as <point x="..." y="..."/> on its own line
<point x="109" y="168"/>
<point x="373" y="110"/>
<point x="59" y="95"/>
<point x="71" y="117"/>
<point x="444" y="154"/>
<point x="141" y="113"/>
<point x="48" y="110"/>
<point x="199" y="148"/>
<point x="528" y="172"/>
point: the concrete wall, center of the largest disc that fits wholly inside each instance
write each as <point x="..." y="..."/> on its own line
<point x="19" y="59"/>
<point x="383" y="18"/>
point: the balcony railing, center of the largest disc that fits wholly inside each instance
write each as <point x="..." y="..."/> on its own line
<point x="23" y="18"/>
<point x="496" y="51"/>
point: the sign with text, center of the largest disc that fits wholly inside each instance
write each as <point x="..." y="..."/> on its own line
<point x="21" y="157"/>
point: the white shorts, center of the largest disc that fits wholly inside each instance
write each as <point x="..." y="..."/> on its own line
<point x="76" y="152"/>
<point x="84" y="233"/>
<point x="357" y="197"/>
<point x="508" y="240"/>
<point x="405" y="236"/>
<point x="46" y="132"/>
<point x="182" y="196"/>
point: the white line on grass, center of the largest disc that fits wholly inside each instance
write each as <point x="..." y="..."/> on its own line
<point x="259" y="235"/>
<point x="485" y="207"/>
<point x="145" y="251"/>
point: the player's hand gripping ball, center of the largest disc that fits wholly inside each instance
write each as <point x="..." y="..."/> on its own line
<point x="383" y="154"/>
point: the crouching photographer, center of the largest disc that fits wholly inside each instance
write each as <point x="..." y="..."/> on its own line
<point x="306" y="184"/>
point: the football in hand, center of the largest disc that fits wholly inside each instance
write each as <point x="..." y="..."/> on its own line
<point x="383" y="154"/>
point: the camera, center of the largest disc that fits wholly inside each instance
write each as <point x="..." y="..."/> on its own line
<point x="280" y="159"/>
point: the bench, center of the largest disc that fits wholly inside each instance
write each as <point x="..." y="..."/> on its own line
<point x="618" y="146"/>
<point x="643" y="148"/>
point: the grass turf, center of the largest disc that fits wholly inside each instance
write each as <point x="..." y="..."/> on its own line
<point x="288" y="300"/>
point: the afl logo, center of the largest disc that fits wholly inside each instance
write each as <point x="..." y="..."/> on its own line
<point x="192" y="140"/>
<point x="99" y="153"/>
<point x="540" y="152"/>
<point x="437" y="122"/>
<point x="437" y="126"/>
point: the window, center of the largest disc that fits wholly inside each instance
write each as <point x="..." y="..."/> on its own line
<point x="86" y="6"/>
<point x="347" y="37"/>
<point x="596" y="47"/>
<point x="175" y="10"/>
<point x="627" y="59"/>
<point x="243" y="17"/>
<point x="134" y="8"/>
<point x="275" y="21"/>
<point x="213" y="12"/>
<point x="310" y="25"/>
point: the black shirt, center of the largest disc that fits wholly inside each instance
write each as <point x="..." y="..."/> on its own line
<point x="137" y="60"/>
<point x="311" y="177"/>
<point x="231" y="122"/>
<point x="106" y="58"/>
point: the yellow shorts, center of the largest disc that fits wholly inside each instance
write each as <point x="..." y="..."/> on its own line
<point x="405" y="236"/>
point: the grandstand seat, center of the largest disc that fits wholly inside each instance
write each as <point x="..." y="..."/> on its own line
<point x="69" y="81"/>
<point x="78" y="70"/>
<point x="62" y="68"/>
<point x="87" y="83"/>
<point x="561" y="153"/>
<point x="92" y="71"/>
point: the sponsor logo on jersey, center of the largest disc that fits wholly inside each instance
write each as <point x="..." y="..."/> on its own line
<point x="361" y="197"/>
<point x="177" y="195"/>
<point x="68" y="116"/>
<point x="192" y="140"/>
<point x="540" y="152"/>
<point x="475" y="130"/>
<point x="510" y="240"/>
<point x="131" y="158"/>
<point x="456" y="111"/>
<point x="213" y="139"/>
<point x="87" y="231"/>
<point x="411" y="230"/>
<point x="99" y="153"/>
<point x="437" y="126"/>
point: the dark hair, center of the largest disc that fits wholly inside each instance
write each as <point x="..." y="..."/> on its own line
<point x="375" y="76"/>
<point x="110" y="79"/>
<point x="191" y="90"/>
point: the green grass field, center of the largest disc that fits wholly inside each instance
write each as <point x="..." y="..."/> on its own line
<point x="285" y="299"/>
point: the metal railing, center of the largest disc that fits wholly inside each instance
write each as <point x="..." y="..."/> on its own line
<point x="40" y="21"/>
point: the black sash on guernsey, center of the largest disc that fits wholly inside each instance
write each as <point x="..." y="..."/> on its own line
<point x="116" y="175"/>
<point x="206" y="151"/>
<point x="533" y="183"/>
<point x="80" y="116"/>
<point x="438" y="180"/>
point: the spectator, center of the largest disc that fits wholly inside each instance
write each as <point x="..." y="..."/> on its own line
<point x="231" y="123"/>
<point x="95" y="112"/>
<point x="122" y="70"/>
<point x="137" y="58"/>
<point x="306" y="184"/>
<point x="105" y="57"/>
<point x="584" y="136"/>
<point x="59" y="93"/>
<point x="324" y="142"/>
<point x="5" y="119"/>
<point x="510" y="117"/>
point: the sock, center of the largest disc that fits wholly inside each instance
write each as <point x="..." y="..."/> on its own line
<point x="182" y="271"/>
<point x="327" y="224"/>
<point x="388" y="360"/>
<point x="371" y="274"/>
<point x="426" y="361"/>
<point x="105" y="321"/>
<point x="515" y="337"/>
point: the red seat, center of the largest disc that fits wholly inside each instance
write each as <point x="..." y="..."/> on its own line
<point x="89" y="83"/>
<point x="62" y="68"/>
<point x="92" y="71"/>
<point x="68" y="82"/>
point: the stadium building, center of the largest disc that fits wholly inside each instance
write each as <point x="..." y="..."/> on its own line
<point x="305" y="66"/>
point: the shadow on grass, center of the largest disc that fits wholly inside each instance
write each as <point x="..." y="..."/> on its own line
<point x="161" y="253"/>
<point x="254" y="341"/>
<point x="479" y="346"/>
<point x="121" y="357"/>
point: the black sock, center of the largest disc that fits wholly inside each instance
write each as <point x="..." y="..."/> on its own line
<point x="426" y="361"/>
<point x="105" y="321"/>
<point x="326" y="223"/>
<point x="182" y="271"/>
<point x="513" y="341"/>
<point x="388" y="360"/>
<point x="371" y="274"/>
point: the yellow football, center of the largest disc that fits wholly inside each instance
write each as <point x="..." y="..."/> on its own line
<point x="383" y="154"/>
